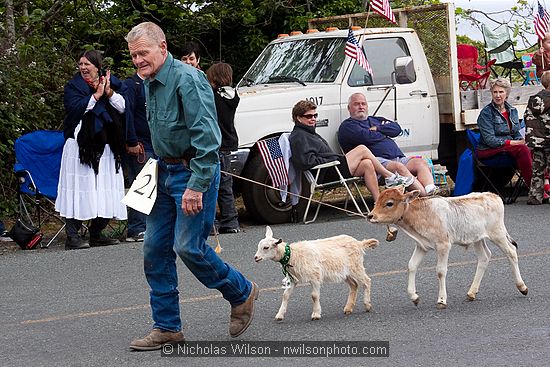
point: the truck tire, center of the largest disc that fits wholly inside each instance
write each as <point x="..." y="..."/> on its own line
<point x="264" y="204"/>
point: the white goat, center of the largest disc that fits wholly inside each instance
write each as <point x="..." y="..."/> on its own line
<point x="439" y="222"/>
<point x="334" y="259"/>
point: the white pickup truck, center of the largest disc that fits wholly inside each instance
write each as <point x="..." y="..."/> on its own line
<point x="313" y="66"/>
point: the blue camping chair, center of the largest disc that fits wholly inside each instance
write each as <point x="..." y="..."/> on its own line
<point x="38" y="161"/>
<point x="501" y="166"/>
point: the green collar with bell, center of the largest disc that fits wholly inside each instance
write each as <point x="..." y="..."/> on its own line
<point x="285" y="262"/>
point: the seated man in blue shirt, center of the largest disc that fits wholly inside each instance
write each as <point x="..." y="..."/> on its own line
<point x="376" y="133"/>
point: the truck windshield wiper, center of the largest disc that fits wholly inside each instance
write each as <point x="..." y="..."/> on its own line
<point x="285" y="78"/>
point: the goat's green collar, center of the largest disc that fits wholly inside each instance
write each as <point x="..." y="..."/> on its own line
<point x="285" y="262"/>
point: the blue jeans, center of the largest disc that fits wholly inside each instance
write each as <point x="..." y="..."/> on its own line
<point x="136" y="220"/>
<point x="171" y="233"/>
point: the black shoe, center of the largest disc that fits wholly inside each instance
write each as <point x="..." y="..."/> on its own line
<point x="102" y="240"/>
<point x="223" y="230"/>
<point x="76" y="243"/>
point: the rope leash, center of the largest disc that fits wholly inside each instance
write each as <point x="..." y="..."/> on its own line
<point x="391" y="232"/>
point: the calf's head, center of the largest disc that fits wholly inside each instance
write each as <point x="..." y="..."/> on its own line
<point x="267" y="248"/>
<point x="391" y="205"/>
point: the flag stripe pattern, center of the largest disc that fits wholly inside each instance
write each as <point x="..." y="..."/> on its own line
<point x="383" y="8"/>
<point x="541" y="21"/>
<point x="271" y="153"/>
<point x="354" y="50"/>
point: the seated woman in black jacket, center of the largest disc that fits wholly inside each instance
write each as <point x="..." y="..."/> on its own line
<point x="310" y="149"/>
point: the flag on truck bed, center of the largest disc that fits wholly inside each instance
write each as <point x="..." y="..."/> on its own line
<point x="355" y="51"/>
<point x="271" y="153"/>
<point x="541" y="21"/>
<point x="383" y="8"/>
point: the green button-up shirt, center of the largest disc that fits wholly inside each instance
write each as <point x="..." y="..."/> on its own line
<point x="182" y="114"/>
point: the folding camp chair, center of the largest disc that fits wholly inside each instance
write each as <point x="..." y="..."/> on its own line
<point x="471" y="75"/>
<point x="38" y="160"/>
<point x="499" y="46"/>
<point x="313" y="177"/>
<point x="497" y="171"/>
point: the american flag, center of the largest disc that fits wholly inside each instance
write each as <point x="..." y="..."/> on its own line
<point x="541" y="21"/>
<point x="383" y="8"/>
<point x="271" y="153"/>
<point x="354" y="50"/>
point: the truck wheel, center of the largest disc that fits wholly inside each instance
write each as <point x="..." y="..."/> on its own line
<point x="264" y="204"/>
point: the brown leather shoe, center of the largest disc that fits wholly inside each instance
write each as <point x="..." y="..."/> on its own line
<point x="241" y="315"/>
<point x="156" y="339"/>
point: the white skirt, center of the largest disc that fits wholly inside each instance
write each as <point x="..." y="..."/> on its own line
<point x="81" y="194"/>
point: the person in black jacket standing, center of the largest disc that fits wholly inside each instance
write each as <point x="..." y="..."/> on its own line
<point x="220" y="76"/>
<point x="138" y="148"/>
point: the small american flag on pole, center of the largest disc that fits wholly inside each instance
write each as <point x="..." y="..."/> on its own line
<point x="541" y="21"/>
<point x="271" y="153"/>
<point x="383" y="8"/>
<point x="354" y="50"/>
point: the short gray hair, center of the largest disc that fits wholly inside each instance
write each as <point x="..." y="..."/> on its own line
<point x="148" y="30"/>
<point x="500" y="82"/>
<point x="354" y="95"/>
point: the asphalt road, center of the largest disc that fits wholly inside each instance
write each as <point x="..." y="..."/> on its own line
<point x="82" y="308"/>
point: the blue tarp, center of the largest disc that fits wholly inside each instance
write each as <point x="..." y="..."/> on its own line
<point x="39" y="152"/>
<point x="465" y="176"/>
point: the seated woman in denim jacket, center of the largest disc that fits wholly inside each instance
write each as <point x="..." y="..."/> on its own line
<point x="499" y="128"/>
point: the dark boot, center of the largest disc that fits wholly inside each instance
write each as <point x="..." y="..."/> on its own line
<point x="76" y="243"/>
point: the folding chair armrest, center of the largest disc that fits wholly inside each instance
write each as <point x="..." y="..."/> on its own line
<point x="325" y="165"/>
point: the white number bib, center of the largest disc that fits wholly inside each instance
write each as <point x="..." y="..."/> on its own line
<point x="143" y="193"/>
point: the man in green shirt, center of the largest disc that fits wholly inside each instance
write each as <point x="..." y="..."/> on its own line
<point x="186" y="138"/>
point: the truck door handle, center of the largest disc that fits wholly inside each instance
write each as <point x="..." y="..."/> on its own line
<point x="418" y="92"/>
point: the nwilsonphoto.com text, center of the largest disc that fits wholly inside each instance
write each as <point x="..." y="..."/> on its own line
<point x="277" y="349"/>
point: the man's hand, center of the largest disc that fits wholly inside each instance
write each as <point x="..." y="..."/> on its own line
<point x="191" y="202"/>
<point x="137" y="150"/>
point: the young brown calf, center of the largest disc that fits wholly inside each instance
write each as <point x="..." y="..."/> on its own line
<point x="439" y="222"/>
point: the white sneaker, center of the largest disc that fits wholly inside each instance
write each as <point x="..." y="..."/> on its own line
<point x="137" y="238"/>
<point x="397" y="180"/>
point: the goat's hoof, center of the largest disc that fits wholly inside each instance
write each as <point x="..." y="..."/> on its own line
<point x="315" y="317"/>
<point x="348" y="311"/>
<point x="368" y="308"/>
<point x="441" y="306"/>
<point x="416" y="301"/>
<point x="471" y="297"/>
<point x="524" y="292"/>
<point x="279" y="318"/>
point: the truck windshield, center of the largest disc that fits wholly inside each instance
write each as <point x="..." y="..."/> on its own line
<point x="300" y="61"/>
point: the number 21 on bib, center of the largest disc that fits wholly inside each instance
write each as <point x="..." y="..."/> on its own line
<point x="143" y="193"/>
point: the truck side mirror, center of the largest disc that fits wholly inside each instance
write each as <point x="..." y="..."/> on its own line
<point x="404" y="70"/>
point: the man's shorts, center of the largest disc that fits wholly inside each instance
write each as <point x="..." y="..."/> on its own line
<point x="403" y="160"/>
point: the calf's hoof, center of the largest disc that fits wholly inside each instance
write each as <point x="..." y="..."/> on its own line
<point x="524" y="291"/>
<point x="347" y="311"/>
<point x="441" y="306"/>
<point x="416" y="300"/>
<point x="315" y="316"/>
<point x="471" y="297"/>
<point x="279" y="318"/>
<point x="368" y="308"/>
